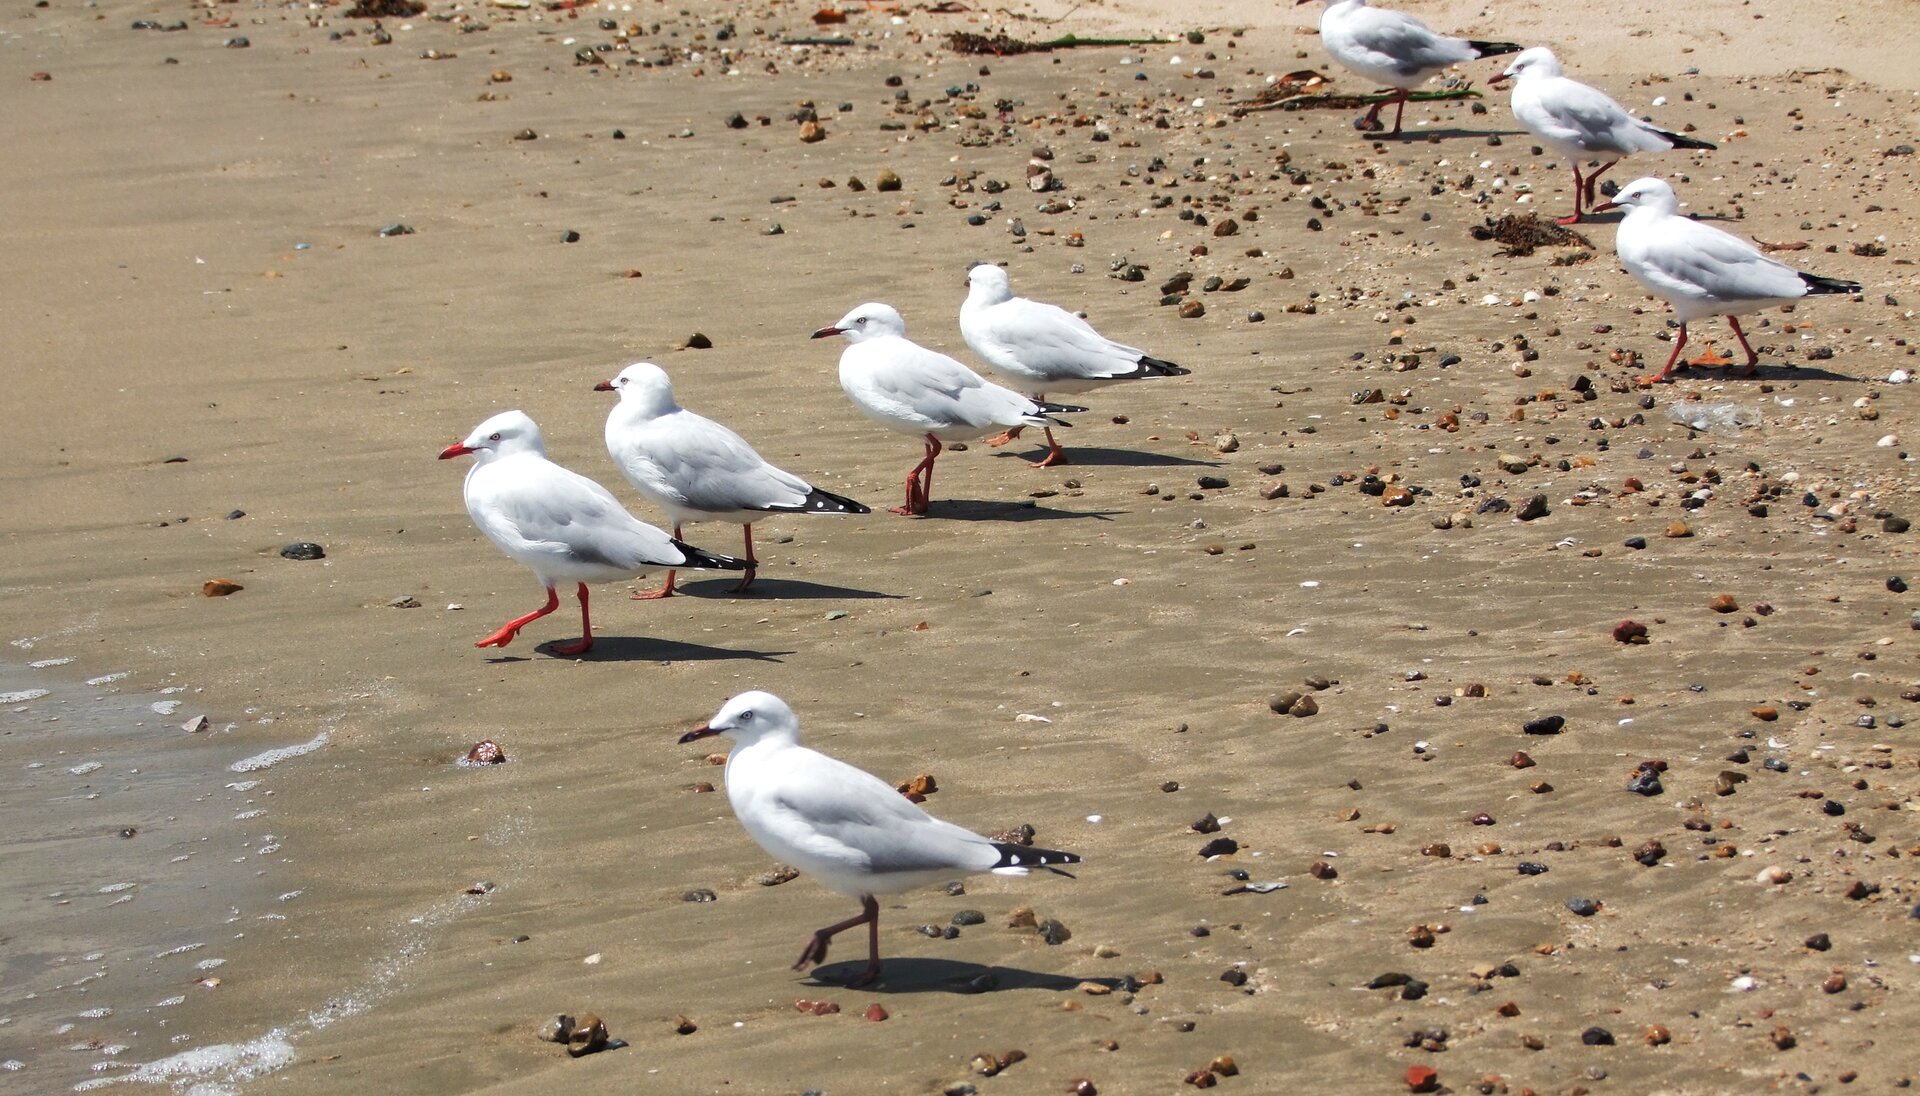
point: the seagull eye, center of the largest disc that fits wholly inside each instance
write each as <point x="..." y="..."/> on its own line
<point x="746" y="717"/>
<point x="862" y="319"/>
<point x="493" y="437"/>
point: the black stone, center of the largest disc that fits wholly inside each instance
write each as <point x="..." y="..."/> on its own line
<point x="1220" y="846"/>
<point x="1597" y="1037"/>
<point x="303" y="550"/>
<point x="1546" y="724"/>
<point x="1584" y="907"/>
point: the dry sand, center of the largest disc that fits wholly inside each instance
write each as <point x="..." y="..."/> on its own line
<point x="195" y="270"/>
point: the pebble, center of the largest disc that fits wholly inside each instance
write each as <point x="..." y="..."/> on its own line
<point x="303" y="550"/>
<point x="1544" y="725"/>
<point x="220" y="587"/>
<point x="1597" y="1037"/>
<point x="486" y="752"/>
<point x="1583" y="907"/>
<point x="589" y="1034"/>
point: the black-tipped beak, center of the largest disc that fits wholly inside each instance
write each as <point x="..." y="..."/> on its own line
<point x="697" y="734"/>
<point x="603" y="386"/>
<point x="826" y="332"/>
<point x="454" y="450"/>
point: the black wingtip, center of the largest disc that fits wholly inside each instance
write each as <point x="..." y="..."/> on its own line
<point x="1494" y="49"/>
<point x="1059" y="409"/>
<point x="826" y="502"/>
<point x="1681" y="140"/>
<point x="700" y="557"/>
<point x="1154" y="367"/>
<point x="1025" y="856"/>
<point x="1816" y="284"/>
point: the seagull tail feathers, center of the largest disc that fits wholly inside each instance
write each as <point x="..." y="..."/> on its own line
<point x="1043" y="414"/>
<point x="1154" y="367"/>
<point x="1816" y="284"/>
<point x="1019" y="859"/>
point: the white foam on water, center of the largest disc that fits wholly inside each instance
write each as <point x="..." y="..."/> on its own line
<point x="23" y="695"/>
<point x="108" y="679"/>
<point x="165" y="707"/>
<point x="44" y="663"/>
<point x="85" y="767"/>
<point x="210" y="1070"/>
<point x="273" y="757"/>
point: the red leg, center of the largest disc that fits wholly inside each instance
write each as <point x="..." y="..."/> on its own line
<point x="664" y="591"/>
<point x="1679" y="344"/>
<point x="920" y="482"/>
<point x="999" y="440"/>
<point x="751" y="562"/>
<point x="1753" y="358"/>
<point x="1399" y="108"/>
<point x="1578" y="192"/>
<point x="1055" y="455"/>
<point x="816" y="949"/>
<point x="585" y="643"/>
<point x="1597" y="172"/>
<point x="512" y="627"/>
<point x="1372" y="120"/>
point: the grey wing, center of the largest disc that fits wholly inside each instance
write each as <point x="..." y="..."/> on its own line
<point x="849" y="815"/>
<point x="1406" y="44"/>
<point x="563" y="511"/>
<point x="1601" y="124"/>
<point x="1706" y="262"/>
<point x="939" y="391"/>
<point x="1055" y="343"/>
<point x="712" y="468"/>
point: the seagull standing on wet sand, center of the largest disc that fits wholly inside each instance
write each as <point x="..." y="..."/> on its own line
<point x="696" y="469"/>
<point x="1580" y="122"/>
<point x="1043" y="348"/>
<point x="842" y="825"/>
<point x="901" y="384"/>
<point x="1394" y="49"/>
<point x="559" y="524"/>
<point x="1700" y="270"/>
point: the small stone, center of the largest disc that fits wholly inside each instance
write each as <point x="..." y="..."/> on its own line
<point x="1219" y="846"/>
<point x="1323" y="869"/>
<point x="1054" y="932"/>
<point x="1207" y="823"/>
<point x="1783" y="1039"/>
<point x="1724" y="603"/>
<point x="1628" y="631"/>
<point x="812" y="132"/>
<point x="1304" y="707"/>
<point x="1535" y="507"/>
<point x="701" y="894"/>
<point x="1281" y="704"/>
<point x="1521" y="760"/>
<point x="874" y="1013"/>
<point x="780" y="874"/>
<point x="1657" y="1036"/>
<point x="684" y="1026"/>
<point x="1765" y="714"/>
<point x="1677" y="530"/>
<point x="1597" y="1037"/>
<point x="303" y="550"/>
<point x="1546" y="724"/>
<point x="1583" y="907"/>
<point x="197" y="724"/>
<point x="969" y="917"/>
<point x="589" y="1034"/>
<point x="1224" y="1065"/>
<point x="220" y="587"/>
<point x="557" y="1030"/>
<point x="887" y="181"/>
<point x="1819" y="941"/>
<point x="1423" y="1079"/>
<point x="486" y="752"/>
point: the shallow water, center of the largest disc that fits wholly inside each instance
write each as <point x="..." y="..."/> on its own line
<point x="139" y="859"/>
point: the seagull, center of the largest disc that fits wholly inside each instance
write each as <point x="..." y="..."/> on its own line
<point x="1394" y="49"/>
<point x="558" y="523"/>
<point x="695" y="468"/>
<point x="842" y="825"/>
<point x="1043" y="347"/>
<point x="1579" y="122"/>
<point x="1700" y="270"/>
<point x="901" y="384"/>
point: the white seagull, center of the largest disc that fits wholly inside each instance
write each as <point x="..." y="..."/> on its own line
<point x="1579" y="122"/>
<point x="1044" y="348"/>
<point x="1700" y="270"/>
<point x="901" y="384"/>
<point x="558" y="523"/>
<point x="695" y="468"/>
<point x="842" y="825"/>
<point x="1395" y="49"/>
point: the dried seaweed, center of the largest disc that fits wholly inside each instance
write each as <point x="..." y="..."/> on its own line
<point x="1003" y="45"/>
<point x="1295" y="92"/>
<point x="1524" y="233"/>
<point x="385" y="9"/>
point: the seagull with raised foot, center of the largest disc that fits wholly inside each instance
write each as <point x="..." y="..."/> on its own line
<point x="1394" y="49"/>
<point x="1580" y="122"/>
<point x="696" y="469"/>
<point x="844" y="826"/>
<point x="1702" y="271"/>
<point x="1042" y="348"/>
<point x="557" y="523"/>
<point x="903" y="385"/>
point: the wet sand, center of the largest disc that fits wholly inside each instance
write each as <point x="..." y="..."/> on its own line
<point x="199" y="273"/>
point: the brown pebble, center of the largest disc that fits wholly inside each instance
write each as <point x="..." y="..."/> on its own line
<point x="1022" y="917"/>
<point x="1628" y="631"/>
<point x="1284" y="702"/>
<point x="1439" y="848"/>
<point x="1322" y="869"/>
<point x="1148" y="978"/>
<point x="1677" y="530"/>
<point x="886" y="181"/>
<point x="1491" y="848"/>
<point x="1396" y="496"/>
<point x="1224" y="1066"/>
<point x="1521" y="760"/>
<point x="589" y="1034"/>
<point x="1081" y="1086"/>
<point x="1304" y="707"/>
<point x="1765" y="714"/>
<point x="875" y="1013"/>
<point x="1201" y="1078"/>
<point x="1420" y="936"/>
<point x="486" y="752"/>
<point x="684" y="1026"/>
<point x="1835" y="982"/>
<point x="1094" y="989"/>
<point x="1533" y="1042"/>
<point x="1783" y="1039"/>
<point x="1724" y="603"/>
<point x="817" y="1008"/>
<point x="1010" y="1057"/>
<point x="1480" y="818"/>
<point x="1191" y="309"/>
<point x="220" y="587"/>
<point x="1540" y="787"/>
<point x="921" y="785"/>
<point x="811" y="132"/>
<point x="1657" y="1036"/>
<point x="700" y="786"/>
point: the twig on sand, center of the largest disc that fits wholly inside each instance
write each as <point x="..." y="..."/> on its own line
<point x="1293" y="96"/>
<point x="1003" y="45"/>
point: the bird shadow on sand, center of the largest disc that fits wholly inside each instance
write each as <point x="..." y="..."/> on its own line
<point x="649" y="649"/>
<point x="1413" y="136"/>
<point x="1120" y="458"/>
<point x="779" y="589"/>
<point x="918" y="975"/>
<point x="1765" y="371"/>
<point x="1018" y="510"/>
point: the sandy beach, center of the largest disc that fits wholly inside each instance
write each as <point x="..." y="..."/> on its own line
<point x="254" y="289"/>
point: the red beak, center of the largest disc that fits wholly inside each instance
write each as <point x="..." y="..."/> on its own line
<point x="825" y="332"/>
<point x="1496" y="79"/>
<point x="698" y="733"/>
<point x="1604" y="206"/>
<point x="454" y="450"/>
<point x="603" y="386"/>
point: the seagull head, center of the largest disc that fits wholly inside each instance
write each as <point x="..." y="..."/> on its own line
<point x="870" y="321"/>
<point x="504" y="434"/>
<point x="1648" y="193"/>
<point x="1538" y="61"/>
<point x="748" y="718"/>
<point x="988" y="283"/>
<point x="644" y="385"/>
